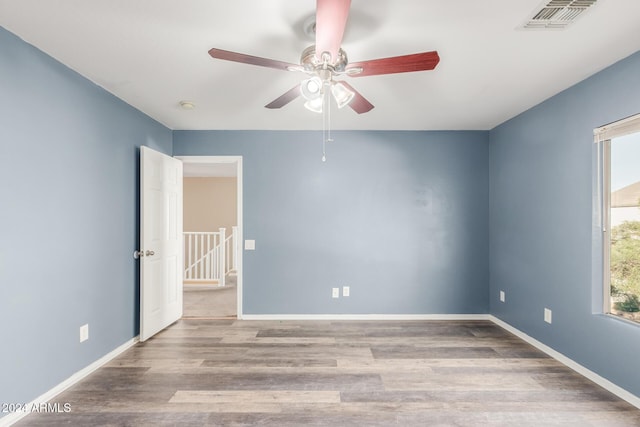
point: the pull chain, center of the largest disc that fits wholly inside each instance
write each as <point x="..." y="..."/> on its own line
<point x="328" y="102"/>
<point x="326" y="122"/>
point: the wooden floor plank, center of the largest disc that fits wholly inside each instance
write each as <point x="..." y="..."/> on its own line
<point x="336" y="373"/>
<point x="227" y="396"/>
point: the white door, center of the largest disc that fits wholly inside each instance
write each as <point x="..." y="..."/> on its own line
<point x="161" y="241"/>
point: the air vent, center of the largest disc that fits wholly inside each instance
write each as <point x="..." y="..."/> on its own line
<point x="558" y="14"/>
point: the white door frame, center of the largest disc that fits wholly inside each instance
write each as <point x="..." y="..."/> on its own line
<point x="238" y="161"/>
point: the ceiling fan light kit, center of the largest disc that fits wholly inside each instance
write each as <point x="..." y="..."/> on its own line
<point x="326" y="60"/>
<point x="314" y="105"/>
<point x="311" y="88"/>
<point x="341" y="94"/>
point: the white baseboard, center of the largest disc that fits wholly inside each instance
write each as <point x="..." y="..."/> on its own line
<point x="73" y="379"/>
<point x="366" y="317"/>
<point x="602" y="382"/>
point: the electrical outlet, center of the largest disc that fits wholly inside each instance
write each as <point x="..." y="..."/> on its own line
<point x="501" y="296"/>
<point x="345" y="291"/>
<point x="547" y="315"/>
<point x="84" y="332"/>
<point x="335" y="292"/>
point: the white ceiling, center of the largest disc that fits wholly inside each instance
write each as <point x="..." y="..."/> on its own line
<point x="153" y="54"/>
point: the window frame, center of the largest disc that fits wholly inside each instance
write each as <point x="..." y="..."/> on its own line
<point x="603" y="137"/>
<point x="606" y="226"/>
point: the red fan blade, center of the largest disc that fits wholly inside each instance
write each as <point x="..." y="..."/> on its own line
<point x="285" y="98"/>
<point x="398" y="64"/>
<point x="359" y="104"/>
<point x="331" y="18"/>
<point x="252" y="60"/>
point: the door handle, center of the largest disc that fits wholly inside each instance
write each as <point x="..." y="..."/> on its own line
<point x="140" y="254"/>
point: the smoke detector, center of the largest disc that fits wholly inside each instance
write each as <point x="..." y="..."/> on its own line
<point x="558" y="14"/>
<point x="187" y="105"/>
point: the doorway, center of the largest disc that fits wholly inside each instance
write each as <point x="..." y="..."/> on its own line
<point x="212" y="236"/>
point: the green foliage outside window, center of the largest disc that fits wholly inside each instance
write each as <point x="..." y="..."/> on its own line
<point x="625" y="266"/>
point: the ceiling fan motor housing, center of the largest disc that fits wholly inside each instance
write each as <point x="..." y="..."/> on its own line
<point x="312" y="62"/>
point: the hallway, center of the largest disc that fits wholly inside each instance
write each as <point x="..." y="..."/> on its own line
<point x="210" y="302"/>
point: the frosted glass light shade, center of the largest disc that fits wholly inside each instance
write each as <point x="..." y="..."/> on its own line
<point x="342" y="95"/>
<point x="314" y="105"/>
<point x="311" y="88"/>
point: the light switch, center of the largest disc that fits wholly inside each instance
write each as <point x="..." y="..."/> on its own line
<point x="84" y="332"/>
<point x="249" y="245"/>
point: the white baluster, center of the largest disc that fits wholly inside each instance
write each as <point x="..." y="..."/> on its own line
<point x="234" y="248"/>
<point x="209" y="263"/>
<point x="190" y="255"/>
<point x="212" y="260"/>
<point x="221" y="256"/>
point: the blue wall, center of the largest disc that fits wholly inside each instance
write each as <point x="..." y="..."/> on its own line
<point x="68" y="211"/>
<point x="545" y="233"/>
<point x="400" y="217"/>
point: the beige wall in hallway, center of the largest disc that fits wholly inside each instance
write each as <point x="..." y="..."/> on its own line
<point x="209" y="203"/>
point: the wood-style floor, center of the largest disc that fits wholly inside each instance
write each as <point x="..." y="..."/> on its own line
<point x="336" y="373"/>
<point x="210" y="302"/>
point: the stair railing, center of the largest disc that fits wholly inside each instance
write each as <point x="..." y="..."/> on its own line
<point x="210" y="256"/>
<point x="202" y="256"/>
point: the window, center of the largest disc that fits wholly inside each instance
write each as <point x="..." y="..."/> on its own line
<point x="621" y="217"/>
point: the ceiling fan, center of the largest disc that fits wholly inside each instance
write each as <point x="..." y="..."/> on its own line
<point x="325" y="61"/>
